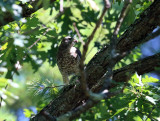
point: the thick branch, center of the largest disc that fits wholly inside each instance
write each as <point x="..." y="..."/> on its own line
<point x="141" y="67"/>
<point x="132" y="37"/>
<point x="82" y="108"/>
<point x="73" y="96"/>
<point x="85" y="48"/>
<point x="121" y="75"/>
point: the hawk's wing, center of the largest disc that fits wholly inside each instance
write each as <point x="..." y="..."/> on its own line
<point x="78" y="52"/>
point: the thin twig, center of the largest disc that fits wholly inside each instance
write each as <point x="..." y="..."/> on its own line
<point x="85" y="48"/>
<point x="79" y="35"/>
<point x="120" y="19"/>
<point x="38" y="39"/>
<point x="61" y="6"/>
<point x="55" y="86"/>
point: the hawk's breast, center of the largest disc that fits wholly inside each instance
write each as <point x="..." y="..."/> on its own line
<point x="68" y="62"/>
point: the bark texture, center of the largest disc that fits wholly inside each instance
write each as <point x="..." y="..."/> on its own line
<point x="72" y="96"/>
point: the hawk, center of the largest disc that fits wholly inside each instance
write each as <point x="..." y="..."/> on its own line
<point x="68" y="58"/>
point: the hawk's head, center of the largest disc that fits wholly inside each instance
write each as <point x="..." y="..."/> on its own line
<point x="68" y="42"/>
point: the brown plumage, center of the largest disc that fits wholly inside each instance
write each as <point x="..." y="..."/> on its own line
<point x="68" y="58"/>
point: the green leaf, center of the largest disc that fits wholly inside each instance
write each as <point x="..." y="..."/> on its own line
<point x="27" y="113"/>
<point x="150" y="99"/>
<point x="119" y="111"/>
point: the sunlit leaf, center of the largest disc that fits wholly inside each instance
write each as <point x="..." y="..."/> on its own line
<point x="150" y="99"/>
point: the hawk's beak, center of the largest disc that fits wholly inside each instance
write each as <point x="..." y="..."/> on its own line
<point x="75" y="41"/>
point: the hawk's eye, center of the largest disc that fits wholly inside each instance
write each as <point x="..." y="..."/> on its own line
<point x="70" y="38"/>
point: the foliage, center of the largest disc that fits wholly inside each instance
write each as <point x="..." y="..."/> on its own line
<point x="22" y="61"/>
<point x="140" y="101"/>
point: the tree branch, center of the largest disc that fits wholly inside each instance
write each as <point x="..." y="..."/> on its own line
<point x="131" y="38"/>
<point x="79" y="35"/>
<point x="85" y="48"/>
<point x="61" y="6"/>
<point x="143" y="66"/>
<point x="38" y="39"/>
<point x="82" y="108"/>
<point x="120" y="75"/>
<point x="72" y="96"/>
<point x="114" y="54"/>
<point x="122" y="16"/>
